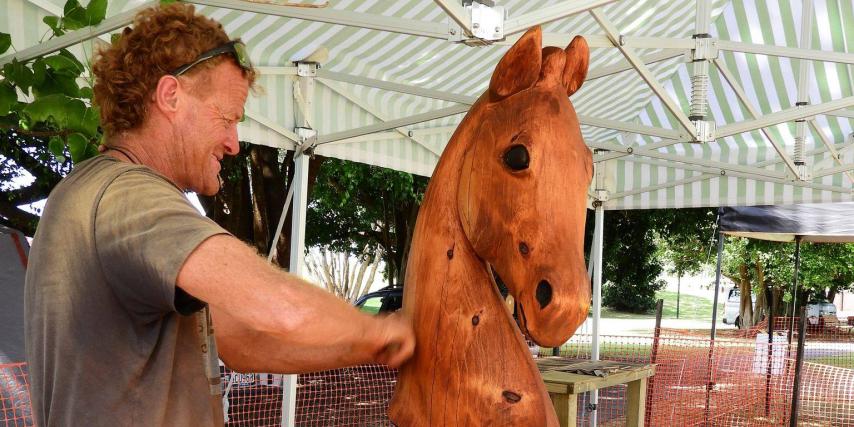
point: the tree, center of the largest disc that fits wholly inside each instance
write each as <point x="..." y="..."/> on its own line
<point x="684" y="242"/>
<point x="630" y="270"/>
<point x="47" y="120"/>
<point x="255" y="184"/>
<point x="630" y="254"/>
<point x="343" y="274"/>
<point x="761" y="267"/>
<point x="827" y="269"/>
<point x="356" y="207"/>
<point x="48" y="123"/>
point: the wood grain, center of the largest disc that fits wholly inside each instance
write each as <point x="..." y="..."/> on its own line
<point x="520" y="211"/>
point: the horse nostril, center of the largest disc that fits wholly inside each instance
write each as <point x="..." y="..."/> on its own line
<point x="544" y="293"/>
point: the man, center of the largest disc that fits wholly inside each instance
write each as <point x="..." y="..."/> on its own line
<point x="126" y="280"/>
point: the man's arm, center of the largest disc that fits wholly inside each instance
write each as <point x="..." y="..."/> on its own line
<point x="266" y="320"/>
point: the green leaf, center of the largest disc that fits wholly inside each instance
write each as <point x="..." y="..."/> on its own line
<point x="55" y="25"/>
<point x="5" y="42"/>
<point x="57" y="82"/>
<point x="8" y="98"/>
<point x="66" y="53"/>
<point x="91" y="151"/>
<point x="63" y="63"/>
<point x="70" y="6"/>
<point x="39" y="71"/>
<point x="43" y="108"/>
<point x="96" y="11"/>
<point x="90" y="122"/>
<point x="60" y="110"/>
<point x="19" y="75"/>
<point x="56" y="146"/>
<point x="86" y="92"/>
<point x="51" y="21"/>
<point x="74" y="16"/>
<point x="165" y="2"/>
<point x="77" y="147"/>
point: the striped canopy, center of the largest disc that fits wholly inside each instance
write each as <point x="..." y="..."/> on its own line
<point x="394" y="80"/>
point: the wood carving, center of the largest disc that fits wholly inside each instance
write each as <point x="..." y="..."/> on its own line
<point x="509" y="195"/>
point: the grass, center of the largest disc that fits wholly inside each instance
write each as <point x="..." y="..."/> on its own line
<point x="690" y="308"/>
<point x="606" y="349"/>
<point x="838" y="361"/>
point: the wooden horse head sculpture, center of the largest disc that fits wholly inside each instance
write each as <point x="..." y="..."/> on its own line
<point x="509" y="195"/>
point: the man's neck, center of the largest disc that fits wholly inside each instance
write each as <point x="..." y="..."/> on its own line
<point x="144" y="148"/>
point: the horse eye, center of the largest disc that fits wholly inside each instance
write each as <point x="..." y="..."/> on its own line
<point x="517" y="157"/>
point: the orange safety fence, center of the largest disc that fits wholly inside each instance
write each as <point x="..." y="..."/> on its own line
<point x="15" y="408"/>
<point x="354" y="396"/>
<point x="738" y="381"/>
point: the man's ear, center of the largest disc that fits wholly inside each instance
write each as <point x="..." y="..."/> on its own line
<point x="166" y="94"/>
<point x="519" y="69"/>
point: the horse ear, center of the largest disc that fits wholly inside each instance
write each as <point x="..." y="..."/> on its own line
<point x="519" y="69"/>
<point x="577" y="60"/>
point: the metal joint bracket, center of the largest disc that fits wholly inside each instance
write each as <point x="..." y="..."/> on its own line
<point x="599" y="172"/>
<point x="487" y="24"/>
<point x="307" y="139"/>
<point x="704" y="131"/>
<point x="307" y="69"/>
<point x="804" y="172"/>
<point x="800" y="104"/>
<point x="705" y="49"/>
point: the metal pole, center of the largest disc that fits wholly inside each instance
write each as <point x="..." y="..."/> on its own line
<point x="795" y="286"/>
<point x="721" y="238"/>
<point x="303" y="98"/>
<point x="659" y="308"/>
<point x="799" y="363"/>
<point x="598" y="236"/>
<point x="768" y="299"/>
<point x="296" y="267"/>
<point x="709" y="383"/>
<point x="656" y="341"/>
<point x="678" y="293"/>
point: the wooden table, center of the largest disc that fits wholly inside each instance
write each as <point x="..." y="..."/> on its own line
<point x="567" y="378"/>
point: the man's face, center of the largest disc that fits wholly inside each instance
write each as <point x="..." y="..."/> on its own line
<point x="208" y="128"/>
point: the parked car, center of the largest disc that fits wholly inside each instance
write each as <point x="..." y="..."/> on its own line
<point x="732" y="307"/>
<point x="818" y="308"/>
<point x="385" y="300"/>
<point x="815" y="309"/>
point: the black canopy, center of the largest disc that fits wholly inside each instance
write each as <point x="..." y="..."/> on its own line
<point x="813" y="222"/>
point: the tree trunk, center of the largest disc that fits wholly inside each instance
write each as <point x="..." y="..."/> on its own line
<point x="255" y="185"/>
<point x="746" y="309"/>
<point x="777" y="303"/>
<point x="760" y="309"/>
<point x="831" y="293"/>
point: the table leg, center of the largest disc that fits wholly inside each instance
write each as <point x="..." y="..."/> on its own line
<point x="636" y="403"/>
<point x="566" y="406"/>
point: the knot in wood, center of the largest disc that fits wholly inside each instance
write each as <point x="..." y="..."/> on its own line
<point x="450" y="253"/>
<point x="511" y="397"/>
<point x="475" y="320"/>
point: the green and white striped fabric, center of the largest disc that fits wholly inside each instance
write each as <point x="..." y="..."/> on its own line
<point x="681" y="176"/>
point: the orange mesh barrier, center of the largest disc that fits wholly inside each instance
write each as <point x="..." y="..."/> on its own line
<point x="357" y="396"/>
<point x="15" y="409"/>
<point x="737" y="381"/>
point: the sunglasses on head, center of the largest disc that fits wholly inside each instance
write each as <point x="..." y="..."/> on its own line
<point x="236" y="48"/>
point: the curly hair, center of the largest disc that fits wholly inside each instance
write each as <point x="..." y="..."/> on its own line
<point x="162" y="39"/>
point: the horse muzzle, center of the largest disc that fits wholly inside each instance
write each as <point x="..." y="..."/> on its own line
<point x="550" y="314"/>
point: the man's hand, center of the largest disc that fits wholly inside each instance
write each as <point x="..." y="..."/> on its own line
<point x="395" y="340"/>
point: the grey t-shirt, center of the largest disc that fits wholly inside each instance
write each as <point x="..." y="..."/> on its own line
<point x="106" y="344"/>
